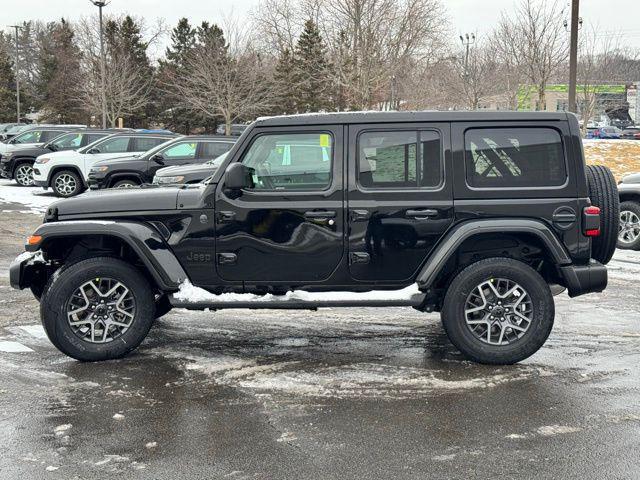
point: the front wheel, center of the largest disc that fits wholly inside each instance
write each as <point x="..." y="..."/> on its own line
<point x="125" y="184"/>
<point x="98" y="309"/>
<point x="66" y="183"/>
<point x="498" y="311"/>
<point x="23" y="175"/>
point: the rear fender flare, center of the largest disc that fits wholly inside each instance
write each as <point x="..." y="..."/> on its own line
<point x="456" y="236"/>
<point x="143" y="239"/>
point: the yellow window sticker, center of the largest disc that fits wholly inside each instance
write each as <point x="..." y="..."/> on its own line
<point x="325" y="140"/>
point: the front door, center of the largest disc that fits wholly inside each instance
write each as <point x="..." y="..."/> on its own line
<point x="400" y="200"/>
<point x="289" y="226"/>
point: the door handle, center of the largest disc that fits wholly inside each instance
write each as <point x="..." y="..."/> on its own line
<point x="422" y="213"/>
<point x="320" y="214"/>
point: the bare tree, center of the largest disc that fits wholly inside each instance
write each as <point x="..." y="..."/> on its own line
<point x="128" y="85"/>
<point x="534" y="37"/>
<point x="476" y="74"/>
<point x="231" y="84"/>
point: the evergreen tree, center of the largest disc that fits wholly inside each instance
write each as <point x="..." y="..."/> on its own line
<point x="59" y="70"/>
<point x="7" y="82"/>
<point x="311" y="72"/>
<point x="183" y="39"/>
<point x="285" y="84"/>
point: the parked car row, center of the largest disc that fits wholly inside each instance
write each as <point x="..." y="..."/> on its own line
<point x="614" y="133"/>
<point x="69" y="159"/>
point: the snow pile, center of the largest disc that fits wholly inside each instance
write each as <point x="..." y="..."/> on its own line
<point x="34" y="198"/>
<point x="190" y="293"/>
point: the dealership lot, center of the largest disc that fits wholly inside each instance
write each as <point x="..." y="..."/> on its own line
<point x="366" y="393"/>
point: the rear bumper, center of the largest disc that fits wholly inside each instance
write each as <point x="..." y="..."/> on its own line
<point x="581" y="279"/>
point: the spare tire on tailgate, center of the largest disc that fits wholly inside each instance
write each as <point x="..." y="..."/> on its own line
<point x="603" y="193"/>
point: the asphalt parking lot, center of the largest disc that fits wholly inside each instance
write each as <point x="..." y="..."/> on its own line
<point x="366" y="393"/>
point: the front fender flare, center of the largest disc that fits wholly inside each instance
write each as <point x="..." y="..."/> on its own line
<point x="143" y="239"/>
<point x="456" y="236"/>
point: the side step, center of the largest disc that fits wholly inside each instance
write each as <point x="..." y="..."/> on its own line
<point x="415" y="301"/>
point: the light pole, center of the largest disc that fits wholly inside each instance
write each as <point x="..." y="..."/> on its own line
<point x="467" y="40"/>
<point x="101" y="4"/>
<point x="573" y="54"/>
<point x="17" y="27"/>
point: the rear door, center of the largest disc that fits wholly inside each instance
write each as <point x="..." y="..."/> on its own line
<point x="210" y="149"/>
<point x="181" y="153"/>
<point x="400" y="198"/>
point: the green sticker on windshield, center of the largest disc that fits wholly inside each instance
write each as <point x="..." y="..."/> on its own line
<point x="325" y="140"/>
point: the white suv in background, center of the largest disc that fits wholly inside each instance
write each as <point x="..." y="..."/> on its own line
<point x="66" y="172"/>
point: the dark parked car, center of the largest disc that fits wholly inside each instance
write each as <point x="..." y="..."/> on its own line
<point x="18" y="164"/>
<point x="629" y="232"/>
<point x="136" y="170"/>
<point x="630" y="133"/>
<point x="186" y="174"/>
<point x="477" y="215"/>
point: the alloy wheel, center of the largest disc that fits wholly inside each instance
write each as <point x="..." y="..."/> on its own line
<point x="629" y="228"/>
<point x="498" y="311"/>
<point x="101" y="310"/>
<point x="65" y="184"/>
<point x="24" y="175"/>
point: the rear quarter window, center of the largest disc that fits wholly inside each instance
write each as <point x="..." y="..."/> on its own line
<point x="514" y="158"/>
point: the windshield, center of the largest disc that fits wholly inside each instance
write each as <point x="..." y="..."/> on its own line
<point x="17" y="129"/>
<point x="65" y="141"/>
<point x="216" y="162"/>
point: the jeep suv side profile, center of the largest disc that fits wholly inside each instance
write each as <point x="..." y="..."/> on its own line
<point x="476" y="215"/>
<point x="18" y="164"/>
<point x="136" y="170"/>
<point x="66" y="172"/>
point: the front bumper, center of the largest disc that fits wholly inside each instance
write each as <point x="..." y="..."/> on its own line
<point x="582" y="279"/>
<point x="26" y="268"/>
<point x="94" y="182"/>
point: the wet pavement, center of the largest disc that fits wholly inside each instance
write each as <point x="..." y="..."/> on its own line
<point x="337" y="393"/>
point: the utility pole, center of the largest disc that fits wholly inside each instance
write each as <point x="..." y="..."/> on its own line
<point x="467" y="40"/>
<point x="573" y="54"/>
<point x="101" y="4"/>
<point x="17" y="27"/>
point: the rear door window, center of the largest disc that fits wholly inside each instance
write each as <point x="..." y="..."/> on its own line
<point x="398" y="159"/>
<point x="514" y="158"/>
<point x="113" y="145"/>
<point x="142" y="144"/>
<point x="214" y="149"/>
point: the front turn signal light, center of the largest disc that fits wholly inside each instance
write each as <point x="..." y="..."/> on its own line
<point x="34" y="240"/>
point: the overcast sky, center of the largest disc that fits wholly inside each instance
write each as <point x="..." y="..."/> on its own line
<point x="465" y="15"/>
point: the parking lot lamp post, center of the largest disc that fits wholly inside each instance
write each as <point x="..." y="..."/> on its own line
<point x="101" y="4"/>
<point x="17" y="27"/>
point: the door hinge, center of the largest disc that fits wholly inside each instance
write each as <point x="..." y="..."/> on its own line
<point x="227" y="258"/>
<point x="359" y="257"/>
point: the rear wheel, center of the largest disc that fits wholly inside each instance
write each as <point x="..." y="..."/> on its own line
<point x="23" y="174"/>
<point x="66" y="183"/>
<point x="498" y="311"/>
<point x="603" y="193"/>
<point x="629" y="229"/>
<point x="97" y="309"/>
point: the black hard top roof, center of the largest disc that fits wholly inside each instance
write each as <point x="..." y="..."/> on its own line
<point x="232" y="138"/>
<point x="414" y="116"/>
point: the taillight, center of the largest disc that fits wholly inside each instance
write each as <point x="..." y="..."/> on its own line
<point x="591" y="221"/>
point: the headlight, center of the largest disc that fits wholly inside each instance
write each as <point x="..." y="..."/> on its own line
<point x="99" y="169"/>
<point x="165" y="180"/>
<point x="42" y="160"/>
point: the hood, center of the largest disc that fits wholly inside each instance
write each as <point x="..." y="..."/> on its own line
<point x="632" y="178"/>
<point x="118" y="201"/>
<point x="186" y="169"/>
<point x="30" y="151"/>
<point x="119" y="160"/>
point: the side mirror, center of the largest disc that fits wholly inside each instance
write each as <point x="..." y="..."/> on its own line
<point x="158" y="158"/>
<point x="238" y="176"/>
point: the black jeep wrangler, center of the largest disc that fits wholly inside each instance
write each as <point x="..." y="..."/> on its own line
<point x="478" y="216"/>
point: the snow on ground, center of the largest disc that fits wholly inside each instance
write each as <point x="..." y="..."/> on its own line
<point x="35" y="199"/>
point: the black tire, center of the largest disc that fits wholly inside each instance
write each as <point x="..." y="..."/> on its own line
<point x="603" y="193"/>
<point x="460" y="334"/>
<point x="66" y="281"/>
<point x="633" y="208"/>
<point x="66" y="183"/>
<point x="125" y="184"/>
<point x="23" y="174"/>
